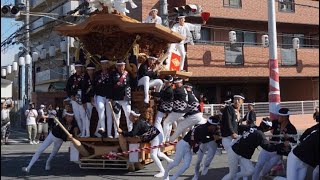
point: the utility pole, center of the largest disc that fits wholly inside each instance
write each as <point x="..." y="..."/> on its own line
<point x="164" y="12"/>
<point x="68" y="56"/>
<point x="274" y="83"/>
<point x="30" y="86"/>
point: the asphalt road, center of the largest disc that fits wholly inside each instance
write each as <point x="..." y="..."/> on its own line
<point x="18" y="154"/>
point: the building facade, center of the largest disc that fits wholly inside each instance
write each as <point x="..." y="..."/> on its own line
<point x="220" y="69"/>
<point x="50" y="67"/>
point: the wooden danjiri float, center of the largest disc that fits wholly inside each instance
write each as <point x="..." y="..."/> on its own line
<point x="118" y="36"/>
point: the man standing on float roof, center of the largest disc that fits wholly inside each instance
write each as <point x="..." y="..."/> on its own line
<point x="184" y="30"/>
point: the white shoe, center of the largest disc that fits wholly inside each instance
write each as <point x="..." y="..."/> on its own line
<point x="48" y="167"/>
<point x="35" y="142"/>
<point x="159" y="175"/>
<point x="166" y="178"/>
<point x="110" y="137"/>
<point x="170" y="160"/>
<point x="25" y="169"/>
<point x="205" y="171"/>
<point x="195" y="177"/>
<point x="31" y="142"/>
<point x="97" y="134"/>
<point x="116" y="136"/>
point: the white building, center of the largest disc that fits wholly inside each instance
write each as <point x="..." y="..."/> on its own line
<point x="49" y="69"/>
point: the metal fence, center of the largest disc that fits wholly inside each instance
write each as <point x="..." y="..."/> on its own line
<point x="262" y="108"/>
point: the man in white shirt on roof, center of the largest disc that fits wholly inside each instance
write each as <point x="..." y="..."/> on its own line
<point x="183" y="29"/>
<point x="153" y="17"/>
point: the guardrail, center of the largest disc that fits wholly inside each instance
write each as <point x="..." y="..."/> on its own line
<point x="262" y="108"/>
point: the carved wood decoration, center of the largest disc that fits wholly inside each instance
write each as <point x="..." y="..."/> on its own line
<point x="112" y="35"/>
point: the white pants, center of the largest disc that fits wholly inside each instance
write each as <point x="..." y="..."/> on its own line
<point x="296" y="169"/>
<point x="227" y="142"/>
<point x="46" y="143"/>
<point x="266" y="161"/>
<point x="171" y="118"/>
<point x="103" y="109"/>
<point x="183" y="151"/>
<point x="233" y="162"/>
<point x="126" y="108"/>
<point x="81" y="117"/>
<point x="186" y="123"/>
<point x="156" y="153"/>
<point x="315" y="174"/>
<point x="89" y="110"/>
<point x="210" y="148"/>
<point x="147" y="84"/>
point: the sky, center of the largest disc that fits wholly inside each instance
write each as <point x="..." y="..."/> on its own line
<point x="8" y="26"/>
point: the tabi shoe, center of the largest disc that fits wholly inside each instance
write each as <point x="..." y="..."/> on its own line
<point x="195" y="177"/>
<point x="48" y="167"/>
<point x="25" y="169"/>
<point x="159" y="175"/>
<point x="205" y="170"/>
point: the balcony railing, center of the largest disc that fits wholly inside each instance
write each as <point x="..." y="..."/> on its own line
<point x="262" y="108"/>
<point x="51" y="75"/>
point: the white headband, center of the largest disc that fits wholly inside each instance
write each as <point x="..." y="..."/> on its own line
<point x="103" y="61"/>
<point x="135" y="114"/>
<point x="69" y="114"/>
<point x="281" y="114"/>
<point x="268" y="123"/>
<point x="91" y="68"/>
<point x="238" y="96"/>
<point x="213" y="123"/>
<point x="78" y="65"/>
<point x="177" y="81"/>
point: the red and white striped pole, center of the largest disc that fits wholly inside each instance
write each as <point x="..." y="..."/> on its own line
<point x="274" y="83"/>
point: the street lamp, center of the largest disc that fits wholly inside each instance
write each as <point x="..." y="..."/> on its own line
<point x="21" y="61"/>
<point x="28" y="59"/>
<point x="15" y="66"/>
<point x="9" y="69"/>
<point x="3" y="73"/>
<point x="35" y="56"/>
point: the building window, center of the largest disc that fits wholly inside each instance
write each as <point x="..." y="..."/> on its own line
<point x="232" y="3"/>
<point x="246" y="37"/>
<point x="205" y="34"/>
<point x="286" y="5"/>
<point x="234" y="54"/>
<point x="288" y="57"/>
<point x="287" y="40"/>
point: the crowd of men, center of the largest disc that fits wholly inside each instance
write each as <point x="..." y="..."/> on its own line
<point x="109" y="91"/>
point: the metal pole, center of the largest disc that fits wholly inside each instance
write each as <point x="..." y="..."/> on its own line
<point x="68" y="57"/>
<point x="274" y="83"/>
<point x="164" y="12"/>
<point x="30" y="86"/>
